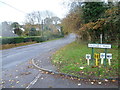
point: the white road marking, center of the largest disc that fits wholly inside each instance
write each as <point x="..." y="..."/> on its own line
<point x="34" y="81"/>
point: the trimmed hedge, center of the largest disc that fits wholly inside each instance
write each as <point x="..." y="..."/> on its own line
<point x="14" y="40"/>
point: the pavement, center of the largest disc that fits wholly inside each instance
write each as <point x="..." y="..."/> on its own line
<point x="18" y="70"/>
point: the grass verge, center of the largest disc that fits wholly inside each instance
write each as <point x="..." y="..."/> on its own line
<point x="7" y="46"/>
<point x="71" y="60"/>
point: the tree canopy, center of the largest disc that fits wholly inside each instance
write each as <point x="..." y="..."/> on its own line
<point x="90" y="19"/>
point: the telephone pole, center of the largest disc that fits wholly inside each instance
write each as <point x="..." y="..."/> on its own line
<point x="101" y="38"/>
<point x="42" y="29"/>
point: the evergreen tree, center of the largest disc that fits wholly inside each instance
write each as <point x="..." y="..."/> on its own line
<point x="92" y="11"/>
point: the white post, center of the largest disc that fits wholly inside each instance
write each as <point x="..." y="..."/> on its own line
<point x="88" y="61"/>
<point x="102" y="56"/>
<point x="109" y="56"/>
<point x="109" y="62"/>
<point x="102" y="60"/>
<point x="88" y="57"/>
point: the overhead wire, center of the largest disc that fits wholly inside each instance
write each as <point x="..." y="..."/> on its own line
<point x="13" y="7"/>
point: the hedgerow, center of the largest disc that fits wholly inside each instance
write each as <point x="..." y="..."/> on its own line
<point x="15" y="40"/>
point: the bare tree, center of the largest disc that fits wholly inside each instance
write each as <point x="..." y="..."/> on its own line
<point x="38" y="16"/>
<point x="49" y="14"/>
<point x="55" y="20"/>
<point x="33" y="18"/>
<point x="36" y="19"/>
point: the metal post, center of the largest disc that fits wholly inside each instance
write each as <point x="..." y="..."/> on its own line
<point x="101" y="38"/>
<point x="105" y="56"/>
<point x="42" y="29"/>
<point x="92" y="55"/>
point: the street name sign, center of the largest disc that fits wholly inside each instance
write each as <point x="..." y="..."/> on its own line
<point x="99" y="45"/>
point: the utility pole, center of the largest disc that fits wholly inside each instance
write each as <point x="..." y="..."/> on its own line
<point x="101" y="38"/>
<point x="42" y="29"/>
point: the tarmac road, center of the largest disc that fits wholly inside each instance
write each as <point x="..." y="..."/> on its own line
<point x="13" y="56"/>
<point x="19" y="72"/>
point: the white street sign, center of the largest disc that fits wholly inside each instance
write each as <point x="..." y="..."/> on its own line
<point x="88" y="56"/>
<point x="99" y="45"/>
<point x="109" y="56"/>
<point x="102" y="55"/>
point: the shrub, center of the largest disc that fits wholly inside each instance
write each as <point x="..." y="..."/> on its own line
<point x="18" y="39"/>
<point x="15" y="40"/>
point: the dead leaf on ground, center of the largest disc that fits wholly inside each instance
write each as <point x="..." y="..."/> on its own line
<point x="30" y="67"/>
<point x="12" y="86"/>
<point x="106" y="80"/>
<point x="16" y="77"/>
<point x="50" y="87"/>
<point x="25" y="73"/>
<point x="42" y="78"/>
<point x="30" y="62"/>
<point x="92" y="82"/>
<point x="79" y="84"/>
<point x="17" y="82"/>
<point x="113" y="80"/>
<point x="46" y="72"/>
<point x="99" y="82"/>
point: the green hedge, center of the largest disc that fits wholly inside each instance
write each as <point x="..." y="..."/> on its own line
<point x="14" y="40"/>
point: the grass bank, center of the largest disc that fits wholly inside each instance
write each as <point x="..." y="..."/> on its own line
<point x="71" y="60"/>
<point x="7" y="46"/>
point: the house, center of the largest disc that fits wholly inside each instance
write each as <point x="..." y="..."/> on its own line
<point x="6" y="30"/>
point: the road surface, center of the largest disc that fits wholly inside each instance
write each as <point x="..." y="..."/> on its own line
<point x="11" y="57"/>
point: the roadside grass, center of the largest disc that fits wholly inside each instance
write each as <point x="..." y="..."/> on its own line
<point x="71" y="58"/>
<point x="7" y="46"/>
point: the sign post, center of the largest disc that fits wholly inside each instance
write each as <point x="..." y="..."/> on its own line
<point x="102" y="56"/>
<point x="96" y="58"/>
<point x="109" y="56"/>
<point x="92" y="55"/>
<point x="105" y="56"/>
<point x="103" y="46"/>
<point x="88" y="57"/>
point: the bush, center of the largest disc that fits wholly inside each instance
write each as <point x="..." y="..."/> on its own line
<point x="15" y="40"/>
<point x="18" y="39"/>
<point x="6" y="40"/>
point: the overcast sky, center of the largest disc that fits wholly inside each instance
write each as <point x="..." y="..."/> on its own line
<point x="15" y="10"/>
